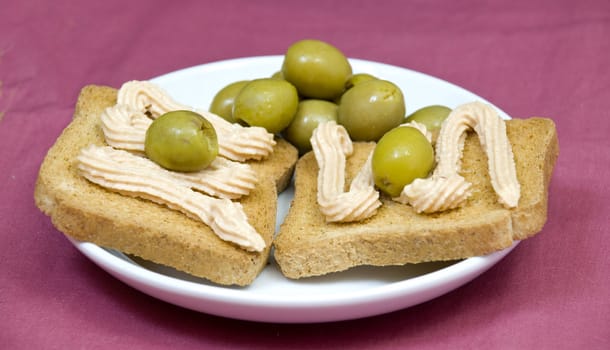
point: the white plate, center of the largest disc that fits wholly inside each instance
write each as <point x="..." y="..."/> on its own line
<point x="359" y="292"/>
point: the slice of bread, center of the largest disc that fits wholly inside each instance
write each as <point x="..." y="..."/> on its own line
<point x="88" y="212"/>
<point x="308" y="246"/>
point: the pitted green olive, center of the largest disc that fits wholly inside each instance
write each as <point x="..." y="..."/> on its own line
<point x="401" y="155"/>
<point x="370" y="109"/>
<point x="270" y="103"/>
<point x="358" y="78"/>
<point x="181" y="141"/>
<point x="317" y="69"/>
<point x="309" y="114"/>
<point x="355" y="79"/>
<point x="277" y="75"/>
<point x="431" y="116"/>
<point x="223" y="101"/>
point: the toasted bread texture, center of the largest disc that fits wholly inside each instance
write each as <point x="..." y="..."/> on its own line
<point x="308" y="246"/>
<point x="88" y="212"/>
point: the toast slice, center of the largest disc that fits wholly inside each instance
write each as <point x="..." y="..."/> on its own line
<point x="88" y="212"/>
<point x="308" y="246"/>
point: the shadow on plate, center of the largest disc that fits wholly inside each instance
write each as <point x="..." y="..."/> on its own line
<point x="367" y="274"/>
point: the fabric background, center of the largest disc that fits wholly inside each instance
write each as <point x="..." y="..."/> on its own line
<point x="531" y="58"/>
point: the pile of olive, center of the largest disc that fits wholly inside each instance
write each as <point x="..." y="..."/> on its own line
<point x="316" y="84"/>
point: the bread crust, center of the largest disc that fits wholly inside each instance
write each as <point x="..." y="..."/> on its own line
<point x="308" y="246"/>
<point x="88" y="212"/>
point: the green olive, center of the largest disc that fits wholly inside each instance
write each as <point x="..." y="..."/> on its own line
<point x="370" y="109"/>
<point x="278" y="75"/>
<point x="358" y="78"/>
<point x="268" y="102"/>
<point x="222" y="104"/>
<point x="309" y="114"/>
<point x="401" y="155"/>
<point x="317" y="69"/>
<point x="181" y="141"/>
<point x="355" y="79"/>
<point x="431" y="116"/>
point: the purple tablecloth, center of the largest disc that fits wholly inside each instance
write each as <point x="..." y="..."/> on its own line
<point x="531" y="58"/>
